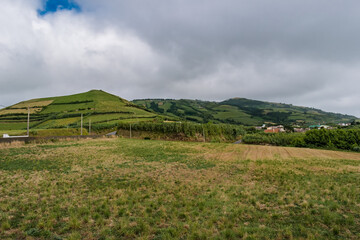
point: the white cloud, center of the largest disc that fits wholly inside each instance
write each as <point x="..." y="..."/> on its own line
<point x="62" y="53"/>
<point x="299" y="52"/>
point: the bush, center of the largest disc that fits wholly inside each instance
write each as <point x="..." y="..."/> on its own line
<point x="276" y="139"/>
<point x="257" y="138"/>
<point x="339" y="138"/>
<point x="356" y="148"/>
<point x="298" y="142"/>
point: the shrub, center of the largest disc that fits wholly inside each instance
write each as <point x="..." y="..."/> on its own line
<point x="277" y="139"/>
<point x="298" y="142"/>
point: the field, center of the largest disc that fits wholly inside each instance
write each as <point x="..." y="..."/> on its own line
<point x="125" y="188"/>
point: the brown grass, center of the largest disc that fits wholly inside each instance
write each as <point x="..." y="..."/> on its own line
<point x="21" y="107"/>
<point x="14" y="111"/>
<point x="33" y="104"/>
<point x="14" y="144"/>
<point x="254" y="152"/>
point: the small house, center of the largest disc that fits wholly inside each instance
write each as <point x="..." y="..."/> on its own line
<point x="275" y="129"/>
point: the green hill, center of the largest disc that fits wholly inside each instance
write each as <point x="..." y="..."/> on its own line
<point x="101" y="108"/>
<point x="105" y="110"/>
<point x="241" y="111"/>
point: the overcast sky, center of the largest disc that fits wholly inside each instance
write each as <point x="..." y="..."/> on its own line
<point x="304" y="52"/>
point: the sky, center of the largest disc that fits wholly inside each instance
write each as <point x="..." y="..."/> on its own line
<point x="302" y="52"/>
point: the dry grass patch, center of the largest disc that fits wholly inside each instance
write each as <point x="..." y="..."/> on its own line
<point x="15" y="111"/>
<point x="32" y="104"/>
<point x="14" y="144"/>
<point x="255" y="152"/>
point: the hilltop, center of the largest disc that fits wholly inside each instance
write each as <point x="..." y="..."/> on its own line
<point x="98" y="106"/>
<point x="241" y="111"/>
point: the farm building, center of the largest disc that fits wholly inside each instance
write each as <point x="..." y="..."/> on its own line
<point x="275" y="129"/>
<point x="319" y="126"/>
<point x="301" y="129"/>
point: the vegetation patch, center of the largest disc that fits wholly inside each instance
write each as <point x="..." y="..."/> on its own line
<point x="29" y="159"/>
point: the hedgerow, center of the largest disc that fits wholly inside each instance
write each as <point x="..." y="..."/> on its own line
<point x="229" y="132"/>
<point x="330" y="139"/>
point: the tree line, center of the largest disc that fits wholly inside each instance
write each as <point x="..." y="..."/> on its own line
<point x="344" y="139"/>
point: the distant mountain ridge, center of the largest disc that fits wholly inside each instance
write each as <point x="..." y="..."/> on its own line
<point x="241" y="111"/>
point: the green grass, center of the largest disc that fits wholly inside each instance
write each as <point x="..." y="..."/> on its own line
<point x="126" y="189"/>
<point x="45" y="132"/>
<point x="57" y="132"/>
<point x="136" y="120"/>
<point x="231" y="112"/>
<point x="107" y="117"/>
<point x="85" y="108"/>
<point x="12" y="126"/>
<point x="64" y="122"/>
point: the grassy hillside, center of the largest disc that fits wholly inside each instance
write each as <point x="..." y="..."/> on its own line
<point x="137" y="189"/>
<point x="99" y="107"/>
<point x="241" y="111"/>
<point x="105" y="111"/>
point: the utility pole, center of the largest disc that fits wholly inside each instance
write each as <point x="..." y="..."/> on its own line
<point x="130" y="130"/>
<point x="28" y="122"/>
<point x="204" y="133"/>
<point x="81" y="124"/>
<point x="89" y="126"/>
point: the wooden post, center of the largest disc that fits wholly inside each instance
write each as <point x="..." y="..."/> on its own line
<point x="130" y="130"/>
<point x="28" y="122"/>
<point x="81" y="130"/>
<point x="89" y="126"/>
<point x="204" y="133"/>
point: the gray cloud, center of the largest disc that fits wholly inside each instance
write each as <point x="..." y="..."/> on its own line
<point x="302" y="52"/>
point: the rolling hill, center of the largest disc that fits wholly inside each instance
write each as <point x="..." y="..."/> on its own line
<point x="97" y="106"/>
<point x="241" y="111"/>
<point x="105" y="110"/>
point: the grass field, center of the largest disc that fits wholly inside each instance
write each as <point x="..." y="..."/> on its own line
<point x="13" y="126"/>
<point x="125" y="189"/>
